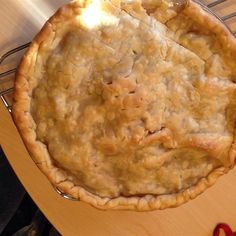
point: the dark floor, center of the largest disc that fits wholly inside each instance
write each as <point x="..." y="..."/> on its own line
<point x="19" y="216"/>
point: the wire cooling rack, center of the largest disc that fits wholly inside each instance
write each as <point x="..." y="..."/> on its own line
<point x="7" y="77"/>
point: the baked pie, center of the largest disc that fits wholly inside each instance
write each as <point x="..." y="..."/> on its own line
<point x="129" y="104"/>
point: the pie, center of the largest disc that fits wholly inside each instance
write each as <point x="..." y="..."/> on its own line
<point x="129" y="104"/>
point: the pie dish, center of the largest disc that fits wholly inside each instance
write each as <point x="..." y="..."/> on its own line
<point x="128" y="104"/>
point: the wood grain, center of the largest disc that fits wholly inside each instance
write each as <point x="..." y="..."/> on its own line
<point x="20" y="20"/>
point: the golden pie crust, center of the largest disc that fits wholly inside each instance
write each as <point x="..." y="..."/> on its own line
<point x="131" y="106"/>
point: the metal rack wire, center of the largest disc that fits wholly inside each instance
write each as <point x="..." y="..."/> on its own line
<point x="8" y="91"/>
<point x="4" y="93"/>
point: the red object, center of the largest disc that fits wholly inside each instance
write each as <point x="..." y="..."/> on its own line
<point x="227" y="230"/>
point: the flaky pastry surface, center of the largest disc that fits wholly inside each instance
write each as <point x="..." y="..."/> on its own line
<point x="133" y="108"/>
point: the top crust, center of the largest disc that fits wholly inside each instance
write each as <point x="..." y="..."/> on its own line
<point x="218" y="148"/>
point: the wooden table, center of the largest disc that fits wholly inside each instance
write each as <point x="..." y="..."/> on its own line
<point x="20" y="20"/>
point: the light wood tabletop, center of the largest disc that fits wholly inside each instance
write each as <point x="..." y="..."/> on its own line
<point x="20" y="21"/>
